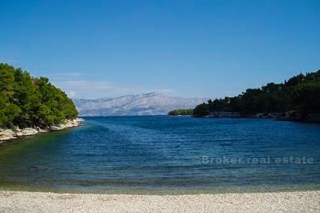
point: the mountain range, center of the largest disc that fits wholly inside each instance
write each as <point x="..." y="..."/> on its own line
<point x="141" y="104"/>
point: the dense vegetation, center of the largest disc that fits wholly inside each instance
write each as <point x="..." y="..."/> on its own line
<point x="300" y="94"/>
<point x="181" y="112"/>
<point x="26" y="101"/>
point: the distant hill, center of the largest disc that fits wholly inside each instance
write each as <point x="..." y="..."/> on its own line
<point x="142" y="104"/>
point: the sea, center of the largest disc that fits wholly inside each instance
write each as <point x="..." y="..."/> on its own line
<point x="166" y="155"/>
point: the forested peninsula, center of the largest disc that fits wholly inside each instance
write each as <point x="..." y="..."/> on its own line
<point x="31" y="105"/>
<point x="296" y="99"/>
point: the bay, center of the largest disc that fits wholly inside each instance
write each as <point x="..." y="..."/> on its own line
<point x="163" y="154"/>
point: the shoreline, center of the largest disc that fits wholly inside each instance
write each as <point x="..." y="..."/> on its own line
<point x="307" y="121"/>
<point x="9" y="134"/>
<point x="21" y="201"/>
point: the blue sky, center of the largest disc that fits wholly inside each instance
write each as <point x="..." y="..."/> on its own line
<point x="200" y="48"/>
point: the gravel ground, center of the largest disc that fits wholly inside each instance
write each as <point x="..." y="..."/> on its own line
<point x="16" y="201"/>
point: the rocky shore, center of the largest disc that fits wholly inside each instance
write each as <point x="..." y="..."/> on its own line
<point x="9" y="134"/>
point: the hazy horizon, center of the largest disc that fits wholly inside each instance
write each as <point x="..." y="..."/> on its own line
<point x="188" y="49"/>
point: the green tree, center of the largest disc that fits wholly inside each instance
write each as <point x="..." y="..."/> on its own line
<point x="26" y="101"/>
<point x="181" y="112"/>
<point x="307" y="97"/>
<point x="201" y="110"/>
<point x="300" y="93"/>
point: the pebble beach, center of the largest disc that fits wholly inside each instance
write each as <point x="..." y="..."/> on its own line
<point x="18" y="201"/>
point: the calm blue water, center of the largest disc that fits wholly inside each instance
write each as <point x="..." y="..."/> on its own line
<point x="166" y="154"/>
